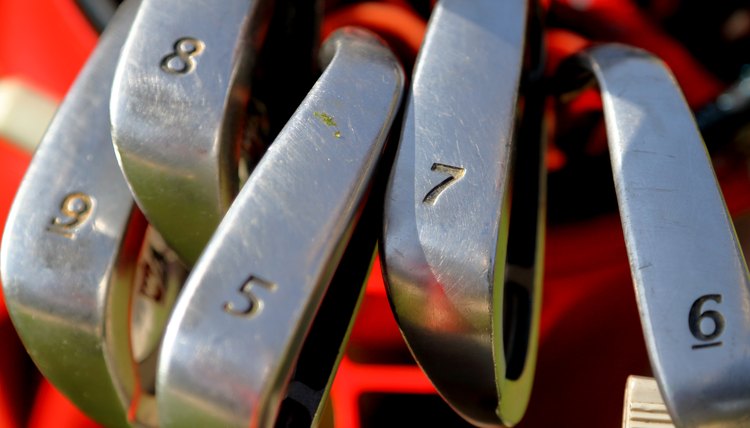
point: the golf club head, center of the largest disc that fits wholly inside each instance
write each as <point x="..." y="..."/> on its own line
<point x="178" y="111"/>
<point x="690" y="277"/>
<point x="88" y="294"/>
<point x="448" y="209"/>
<point x="238" y="327"/>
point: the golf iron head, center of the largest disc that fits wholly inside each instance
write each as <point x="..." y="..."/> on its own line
<point x="178" y="111"/>
<point x="468" y="313"/>
<point x="237" y="330"/>
<point x="689" y="274"/>
<point x="87" y="291"/>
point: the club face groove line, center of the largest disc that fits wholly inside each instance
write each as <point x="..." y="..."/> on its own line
<point x="241" y="320"/>
<point x="178" y="111"/>
<point x="447" y="206"/>
<point x="690" y="277"/>
<point x="70" y="261"/>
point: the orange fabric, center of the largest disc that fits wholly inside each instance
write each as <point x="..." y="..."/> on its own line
<point x="13" y="381"/>
<point x="52" y="409"/>
<point x="621" y="21"/>
<point x="43" y="41"/>
<point x="399" y="26"/>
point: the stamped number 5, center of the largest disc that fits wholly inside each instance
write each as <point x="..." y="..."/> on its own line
<point x="254" y="303"/>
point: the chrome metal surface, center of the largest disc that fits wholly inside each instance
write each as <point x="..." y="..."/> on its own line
<point x="234" y="337"/>
<point x="690" y="277"/>
<point x="70" y="258"/>
<point x="178" y="107"/>
<point x="447" y="208"/>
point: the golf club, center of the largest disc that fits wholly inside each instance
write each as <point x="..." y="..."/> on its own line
<point x="690" y="277"/>
<point x="459" y="301"/>
<point x="232" y="343"/>
<point x="75" y="261"/>
<point x="178" y="108"/>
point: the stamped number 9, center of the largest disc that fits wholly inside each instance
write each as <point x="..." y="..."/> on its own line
<point x="75" y="210"/>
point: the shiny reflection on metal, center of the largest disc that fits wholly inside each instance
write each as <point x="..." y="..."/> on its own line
<point x="690" y="277"/>
<point x="238" y="327"/>
<point x="445" y="233"/>
<point x="70" y="252"/>
<point x="178" y="111"/>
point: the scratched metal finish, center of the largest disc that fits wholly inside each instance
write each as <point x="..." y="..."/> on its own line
<point x="446" y="217"/>
<point x="68" y="258"/>
<point x="690" y="277"/>
<point x="177" y="111"/>
<point x="239" y="325"/>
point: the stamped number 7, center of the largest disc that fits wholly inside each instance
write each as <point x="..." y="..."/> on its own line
<point x="455" y="172"/>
